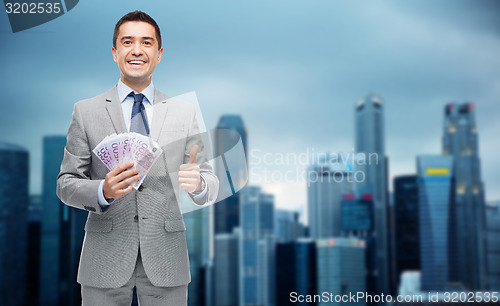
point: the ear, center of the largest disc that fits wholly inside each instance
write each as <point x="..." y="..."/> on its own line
<point x="160" y="52"/>
<point x="113" y="50"/>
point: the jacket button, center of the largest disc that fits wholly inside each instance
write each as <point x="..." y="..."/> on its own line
<point x="140" y="188"/>
<point x="136" y="218"/>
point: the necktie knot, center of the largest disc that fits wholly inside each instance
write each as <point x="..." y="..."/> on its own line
<point x="137" y="97"/>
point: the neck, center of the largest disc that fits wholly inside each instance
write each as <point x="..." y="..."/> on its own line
<point x="135" y="84"/>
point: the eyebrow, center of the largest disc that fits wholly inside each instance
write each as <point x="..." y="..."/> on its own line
<point x="130" y="37"/>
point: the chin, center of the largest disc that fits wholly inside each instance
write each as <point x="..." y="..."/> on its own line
<point x="137" y="77"/>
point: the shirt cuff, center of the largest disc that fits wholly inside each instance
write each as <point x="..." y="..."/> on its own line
<point x="100" y="198"/>
<point x="200" y="197"/>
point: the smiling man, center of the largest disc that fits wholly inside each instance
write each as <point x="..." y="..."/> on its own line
<point x="135" y="238"/>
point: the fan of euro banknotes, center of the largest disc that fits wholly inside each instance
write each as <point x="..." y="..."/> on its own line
<point x="117" y="149"/>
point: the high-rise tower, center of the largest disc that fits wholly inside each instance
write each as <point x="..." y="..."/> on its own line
<point x="407" y="237"/>
<point x="460" y="140"/>
<point x="14" y="201"/>
<point x="327" y="180"/>
<point x="53" y="212"/>
<point x="227" y="210"/>
<point x="437" y="229"/>
<point x="256" y="248"/>
<point x="369" y="129"/>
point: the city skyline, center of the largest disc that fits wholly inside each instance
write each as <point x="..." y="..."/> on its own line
<point x="349" y="156"/>
<point x="295" y="75"/>
<point x="258" y="220"/>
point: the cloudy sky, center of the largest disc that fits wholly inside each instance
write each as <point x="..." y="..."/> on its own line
<point x="293" y="69"/>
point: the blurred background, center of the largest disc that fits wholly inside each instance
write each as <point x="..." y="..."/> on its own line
<point x="370" y="128"/>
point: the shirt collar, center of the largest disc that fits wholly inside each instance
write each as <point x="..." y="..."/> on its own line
<point x="124" y="90"/>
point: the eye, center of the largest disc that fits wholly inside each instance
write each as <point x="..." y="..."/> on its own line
<point x="148" y="43"/>
<point x="127" y="42"/>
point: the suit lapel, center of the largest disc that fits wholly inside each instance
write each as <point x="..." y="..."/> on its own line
<point x="114" y="108"/>
<point x="159" y="114"/>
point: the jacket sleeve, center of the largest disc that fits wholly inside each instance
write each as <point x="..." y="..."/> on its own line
<point x="74" y="185"/>
<point x="206" y="171"/>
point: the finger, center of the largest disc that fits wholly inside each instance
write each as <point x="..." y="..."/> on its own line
<point x="126" y="190"/>
<point x="189" y="174"/>
<point x="192" y="154"/>
<point x="188" y="167"/>
<point x="188" y="187"/>
<point x="121" y="185"/>
<point x="121" y="167"/>
<point x="128" y="181"/>
<point x="127" y="173"/>
<point x="114" y="177"/>
<point x="188" y="180"/>
<point x="123" y="175"/>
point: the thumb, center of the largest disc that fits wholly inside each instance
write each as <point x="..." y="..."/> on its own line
<point x="192" y="154"/>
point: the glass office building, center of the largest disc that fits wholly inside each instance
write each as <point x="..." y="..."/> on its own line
<point x="357" y="222"/>
<point x="256" y="248"/>
<point x="407" y="237"/>
<point x="327" y="180"/>
<point x="226" y="265"/>
<point x="14" y="201"/>
<point x="370" y="143"/>
<point x="295" y="270"/>
<point x="340" y="268"/>
<point x="460" y="140"/>
<point x="438" y="237"/>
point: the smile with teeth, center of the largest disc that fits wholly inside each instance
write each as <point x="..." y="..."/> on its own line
<point x="136" y="62"/>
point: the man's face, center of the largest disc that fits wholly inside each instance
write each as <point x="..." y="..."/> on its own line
<point x="136" y="52"/>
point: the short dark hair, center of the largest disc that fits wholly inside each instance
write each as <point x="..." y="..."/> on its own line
<point x="137" y="16"/>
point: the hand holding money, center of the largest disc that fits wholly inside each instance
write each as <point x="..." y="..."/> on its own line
<point x="189" y="174"/>
<point x="117" y="179"/>
<point x="116" y="150"/>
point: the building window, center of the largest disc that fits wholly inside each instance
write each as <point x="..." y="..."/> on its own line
<point x="475" y="190"/>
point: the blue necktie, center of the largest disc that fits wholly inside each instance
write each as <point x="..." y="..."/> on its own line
<point x="139" y="122"/>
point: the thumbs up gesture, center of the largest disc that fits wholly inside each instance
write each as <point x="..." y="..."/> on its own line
<point x="189" y="174"/>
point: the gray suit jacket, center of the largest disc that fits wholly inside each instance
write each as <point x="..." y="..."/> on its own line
<point x="150" y="217"/>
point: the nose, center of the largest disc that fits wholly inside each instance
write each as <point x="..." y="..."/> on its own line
<point x="137" y="50"/>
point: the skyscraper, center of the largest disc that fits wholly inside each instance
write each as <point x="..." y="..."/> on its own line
<point x="340" y="267"/>
<point x="357" y="222"/>
<point x="438" y="239"/>
<point x="54" y="211"/>
<point x="227" y="210"/>
<point x="14" y="201"/>
<point x="493" y="245"/>
<point x="226" y="269"/>
<point x="287" y="226"/>
<point x="460" y="140"/>
<point x="33" y="263"/>
<point x="369" y="131"/>
<point x="224" y="216"/>
<point x="357" y="215"/>
<point x="327" y="180"/>
<point x="295" y="270"/>
<point x="407" y="242"/>
<point x="71" y="234"/>
<point x="197" y="237"/>
<point x="256" y="248"/>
